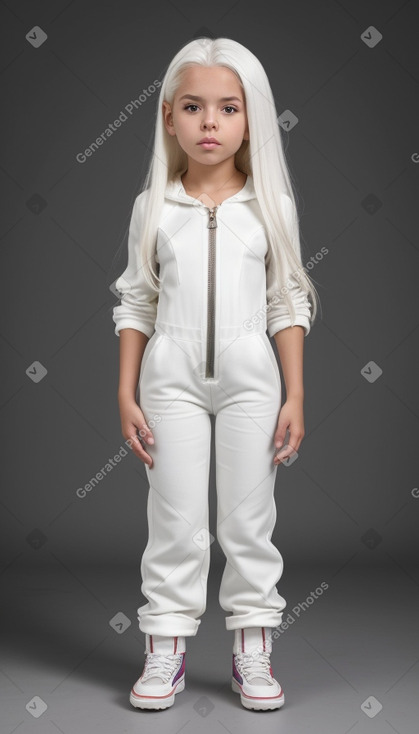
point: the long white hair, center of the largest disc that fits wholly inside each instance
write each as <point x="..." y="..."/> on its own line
<point x="261" y="156"/>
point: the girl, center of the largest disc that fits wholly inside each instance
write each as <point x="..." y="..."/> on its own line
<point x="213" y="262"/>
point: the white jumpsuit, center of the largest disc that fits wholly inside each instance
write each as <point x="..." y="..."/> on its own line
<point x="208" y="353"/>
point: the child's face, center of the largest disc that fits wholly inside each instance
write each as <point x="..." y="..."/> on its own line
<point x="192" y="119"/>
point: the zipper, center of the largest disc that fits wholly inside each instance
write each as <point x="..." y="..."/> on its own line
<point x="212" y="226"/>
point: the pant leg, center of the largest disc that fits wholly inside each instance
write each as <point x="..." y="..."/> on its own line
<point x="175" y="562"/>
<point x="248" y="408"/>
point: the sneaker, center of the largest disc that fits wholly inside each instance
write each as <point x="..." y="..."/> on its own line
<point x="252" y="671"/>
<point x="163" y="675"/>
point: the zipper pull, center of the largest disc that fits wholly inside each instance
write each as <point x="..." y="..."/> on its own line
<point x="212" y="222"/>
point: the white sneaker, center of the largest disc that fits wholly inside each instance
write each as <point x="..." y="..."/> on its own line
<point x="163" y="675"/>
<point x="252" y="671"/>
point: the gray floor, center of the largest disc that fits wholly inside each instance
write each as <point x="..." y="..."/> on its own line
<point x="344" y="655"/>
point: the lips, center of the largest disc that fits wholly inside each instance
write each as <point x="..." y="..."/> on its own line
<point x="209" y="140"/>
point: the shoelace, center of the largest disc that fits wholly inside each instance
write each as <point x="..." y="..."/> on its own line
<point x="254" y="666"/>
<point x="160" y="665"/>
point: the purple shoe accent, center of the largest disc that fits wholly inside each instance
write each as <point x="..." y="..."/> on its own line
<point x="236" y="673"/>
<point x="181" y="669"/>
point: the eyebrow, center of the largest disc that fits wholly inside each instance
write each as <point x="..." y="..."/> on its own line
<point x="199" y="99"/>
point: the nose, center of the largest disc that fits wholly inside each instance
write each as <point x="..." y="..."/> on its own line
<point x="209" y="122"/>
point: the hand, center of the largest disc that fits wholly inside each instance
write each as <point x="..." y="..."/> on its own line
<point x="132" y="423"/>
<point x="291" y="417"/>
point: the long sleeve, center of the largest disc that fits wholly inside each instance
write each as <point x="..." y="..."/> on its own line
<point x="277" y="315"/>
<point x="138" y="307"/>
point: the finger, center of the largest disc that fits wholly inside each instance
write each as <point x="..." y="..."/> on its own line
<point x="146" y="433"/>
<point x="280" y="456"/>
<point x="286" y="452"/>
<point x="139" y="450"/>
<point x="280" y="435"/>
<point x="294" y="442"/>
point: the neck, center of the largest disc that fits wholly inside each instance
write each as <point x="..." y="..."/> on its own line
<point x="212" y="178"/>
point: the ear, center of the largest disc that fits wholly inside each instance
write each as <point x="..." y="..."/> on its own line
<point x="168" y="118"/>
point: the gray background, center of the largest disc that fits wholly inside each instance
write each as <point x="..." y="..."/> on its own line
<point x="347" y="509"/>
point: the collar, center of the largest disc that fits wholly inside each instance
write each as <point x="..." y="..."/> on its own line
<point x="176" y="192"/>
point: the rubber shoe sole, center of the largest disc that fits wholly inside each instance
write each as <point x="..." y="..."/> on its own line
<point x="257" y="703"/>
<point x="157" y="702"/>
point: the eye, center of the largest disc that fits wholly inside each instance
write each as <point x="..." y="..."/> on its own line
<point x="227" y="107"/>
